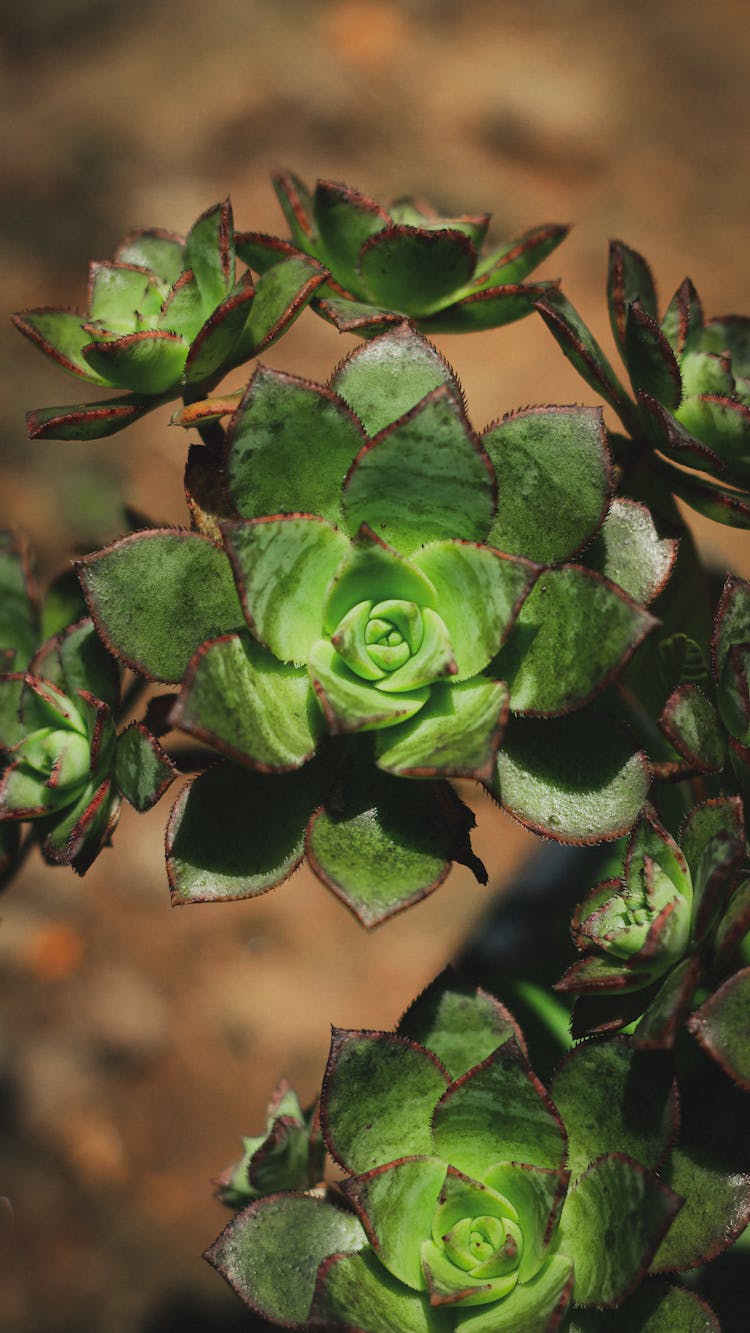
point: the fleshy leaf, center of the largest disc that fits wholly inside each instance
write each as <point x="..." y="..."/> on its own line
<point x="297" y="207"/>
<point x="86" y="665"/>
<point x="61" y="335"/>
<point x="459" y="1023"/>
<point x="658" y="1028"/>
<point x="414" y="270"/>
<point x="217" y="339"/>
<point x="374" y="572"/>
<point x="150" y="361"/>
<point x="513" y="261"/>
<point x="683" y="318"/>
<point x="631" y="552"/>
<point x="87" y="421"/>
<point x="271" y="1252"/>
<point x="582" y="350"/>
<point x="609" y="1255"/>
<point x="670" y="437"/>
<point x="537" y="1195"/>
<point x="691" y="724"/>
<point x="157" y="595"/>
<point x="732" y="624"/>
<point x="456" y="733"/>
<point x="77" y="837"/>
<point x="554" y="480"/>
<point x="356" y="316"/>
<point x="576" y="779"/>
<point x="629" y="279"/>
<point x="654" y="1308"/>
<point x="650" y="360"/>
<point x="209" y="252"/>
<point x="531" y="1306"/>
<point x="488" y="308"/>
<point x="422" y="479"/>
<point x="118" y="293"/>
<point x="154" y="249"/>
<point x="403" y="1083"/>
<point x="724" y="423"/>
<point x="346" y="219"/>
<point x="385" y="378"/>
<point x="280" y="297"/>
<point x="355" y="1292"/>
<point x="249" y="706"/>
<point x="396" y="1203"/>
<point x="722" y="1026"/>
<point x="352" y="704"/>
<point x="143" y="770"/>
<point x="290" y="446"/>
<point x="716" y="502"/>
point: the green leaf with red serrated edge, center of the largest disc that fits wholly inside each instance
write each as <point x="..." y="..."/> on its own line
<point x="488" y="308"/>
<point x="663" y="1018"/>
<point x="385" y="378"/>
<point x="732" y="928"/>
<point x="154" y="249"/>
<point x="455" y="734"/>
<point x="355" y="316"/>
<point x="632" y="552"/>
<point x="691" y="724"/>
<point x="651" y="363"/>
<point x="577" y="779"/>
<point x="671" y="438"/>
<point x="87" y="421"/>
<point x="297" y="207"/>
<point x="142" y="770"/>
<point x="513" y="261"/>
<point x="19" y="612"/>
<point x="238" y="698"/>
<point x="151" y="361"/>
<point x="683" y="319"/>
<point x="582" y="350"/>
<point x="629" y="279"/>
<point x="734" y="692"/>
<point x="724" y="424"/>
<point x="378" y="821"/>
<point x="459" y="1023"/>
<point x="422" y="479"/>
<point x="610" y="1257"/>
<point x="469" y="1133"/>
<point x="415" y="270"/>
<point x="60" y="335"/>
<point x="271" y="1252"/>
<point x="234" y="833"/>
<point x="654" y="1308"/>
<point x="574" y="631"/>
<point x="356" y="1292"/>
<point x="25" y="794"/>
<point x="345" y="220"/>
<point x="215" y="343"/>
<point x="554" y="482"/>
<point x="86" y="664"/>
<point x="402" y="1081"/>
<point x="713" y="841"/>
<point x="396" y="1203"/>
<point x="182" y="312"/>
<point x="119" y="294"/>
<point x="722" y="1026"/>
<point x="209" y="252"/>
<point x="732" y="625"/>
<point x="157" y="595"/>
<point x="78" y="835"/>
<point x="290" y="445"/>
<point x="612" y="1098"/>
<point x="352" y="704"/>
<point x="280" y="297"/>
<point x="719" y="503"/>
<point x="260" y="252"/>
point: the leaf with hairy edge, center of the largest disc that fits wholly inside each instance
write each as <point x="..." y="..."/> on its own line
<point x="658" y="1028"/>
<point x="157" y="595"/>
<point x="576" y="779"/>
<point x="732" y="623"/>
<point x="456" y="733"/>
<point x="260" y="252"/>
<point x="583" y="351"/>
<point x="469" y="1133"/>
<point x="722" y="1026"/>
<point x="281" y="295"/>
<point x="513" y="261"/>
<point x="154" y="249"/>
<point x="683" y="319"/>
<point x="143" y="770"/>
<point x="629" y="279"/>
<point x="118" y="293"/>
<point x="86" y="665"/>
<point x="651" y="363"/>
<point x="612" y="1222"/>
<point x="356" y="316"/>
<point x="216" y="340"/>
<point x="19" y="610"/>
<point x="346" y="219"/>
<point x="354" y="1287"/>
<point x="271" y="1252"/>
<point x="554" y="480"/>
<point x="654" y="1308"/>
<point x="283" y="567"/>
<point x="574" y="631"/>
<point x="459" y="1023"/>
<point x="713" y="841"/>
<point x="150" y="361"/>
<point x="396" y="1204"/>
<point x="724" y="424"/>
<point x="403" y="1082"/>
<point x="671" y="438"/>
<point x="415" y="270"/>
<point x="488" y="308"/>
<point x="60" y="335"/>
<point x="77" y="837"/>
<point x="734" y="692"/>
<point x="538" y="1304"/>
<point x="422" y="479"/>
<point x="731" y="507"/>
<point x="632" y="552"/>
<point x="289" y="447"/>
<point x="732" y="928"/>
<point x="234" y="833"/>
<point x="404" y="831"/>
<point x="691" y="724"/>
<point x="209" y="252"/>
<point x="613" y="1098"/>
<point x="297" y="207"/>
<point x="87" y="421"/>
<point x="385" y="378"/>
<point x="239" y="699"/>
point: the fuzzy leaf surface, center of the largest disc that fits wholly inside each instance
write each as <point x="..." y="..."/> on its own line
<point x="143" y="770"/>
<point x="385" y="378"/>
<point x="414" y="270"/>
<point x="631" y="552"/>
<point x="460" y="1024"/>
<point x="356" y="1292"/>
<point x="722" y="1026"/>
<point x="455" y="734"/>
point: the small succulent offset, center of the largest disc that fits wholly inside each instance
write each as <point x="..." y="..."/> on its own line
<point x="402" y="261"/>
<point x="466" y="1203"/>
<point x="392" y="587"/>
<point x="690" y="377"/>
<point x="167" y="316"/>
<point x="288" y="1156"/>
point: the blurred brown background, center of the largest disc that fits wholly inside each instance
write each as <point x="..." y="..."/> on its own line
<point x="136" y="1044"/>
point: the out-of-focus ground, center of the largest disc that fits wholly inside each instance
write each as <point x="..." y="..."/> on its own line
<point x="137" y="1043"/>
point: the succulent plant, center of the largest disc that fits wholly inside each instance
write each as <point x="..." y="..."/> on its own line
<point x="403" y="260"/>
<point x="289" y="1155"/>
<point x="374" y="599"/>
<point x="690" y="378"/>
<point x="466" y="1203"/>
<point x="167" y="316"/>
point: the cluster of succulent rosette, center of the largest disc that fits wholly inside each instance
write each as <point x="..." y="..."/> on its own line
<point x="371" y="602"/>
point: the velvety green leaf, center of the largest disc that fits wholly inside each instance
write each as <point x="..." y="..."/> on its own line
<point x="488" y="308"/>
<point x="611" y="1255"/>
<point x="733" y="695"/>
<point x="86" y="664"/>
<point x="182" y="312"/>
<point x="345" y="220"/>
<point x="613" y="1098"/>
<point x="423" y="479"/>
<point x="732" y="624"/>
<point x="396" y="1203"/>
<point x="498" y="1112"/>
<point x="683" y="318"/>
<point x="404" y="829"/>
<point x="651" y="363"/>
<point x="654" y="1308"/>
<point x="19" y="612"/>
<point x="629" y="279"/>
<point x="576" y="779"/>
<point x="260" y="252"/>
<point x="60" y="335"/>
<point x="455" y="734"/>
<point x="531" y="1306"/>
<point x="514" y="260"/>
<point x="297" y="206"/>
<point x="414" y="270"/>
<point x="356" y="1289"/>
<point x="352" y="704"/>
<point x="283" y="568"/>
<point x="271" y="1252"/>
<point x="480" y="592"/>
<point x="691" y="724"/>
<point x="582" y="350"/>
<point x="632" y="552"/>
<point x="724" y="424"/>
<point x="77" y="835"/>
<point x="121" y="293"/>
<point x="713" y="841"/>
<point x="385" y="378"/>
<point x="280" y="297"/>
<point x="554" y="480"/>
<point x="722" y="1026"/>
<point x="379" y="1094"/>
<point x="86" y="421"/>
<point x="151" y="361"/>
<point x="234" y="833"/>
<point x="716" y="502"/>
<point x="573" y="632"/>
<point x="216" y="340"/>
<point x="143" y="770"/>
<point x="356" y="316"/>
<point x="290" y="446"/>
<point x="209" y="252"/>
<point x="160" y="251"/>
<point x="671" y="438"/>
<point x="157" y="595"/>
<point x="242" y="701"/>
<point x="459" y="1023"/>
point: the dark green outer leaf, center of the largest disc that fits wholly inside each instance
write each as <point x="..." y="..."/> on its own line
<point x="657" y="1030"/>
<point x="157" y="595"/>
<point x="60" y="335"/>
<point x="651" y="363"/>
<point x="385" y="378"/>
<point x="280" y="297"/>
<point x="722" y="1026"/>
<point x="690" y="723"/>
<point x="459" y="1023"/>
<point x="209" y="252"/>
<point x="414" y="270"/>
<point x="355" y="316"/>
<point x="654" y="1308"/>
<point x="345" y="220"/>
<point x="732" y="623"/>
<point x="143" y="770"/>
<point x="583" y="351"/>
<point x="732" y="928"/>
<point x="629" y="279"/>
<point x="683" y="318"/>
<point x="358" y="1293"/>
<point x="489" y="308"/>
<point x="632" y="551"/>
<point x="216" y="340"/>
<point x="297" y="207"/>
<point x="716" y="502"/>
<point x="87" y="421"/>
<point x="671" y="438"/>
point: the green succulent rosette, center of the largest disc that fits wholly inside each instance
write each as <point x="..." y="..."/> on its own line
<point x="167" y="317"/>
<point x="465" y="1203"/>
<point x="401" y="261"/>
<point x="289" y="1155"/>
<point x="690" y="379"/>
